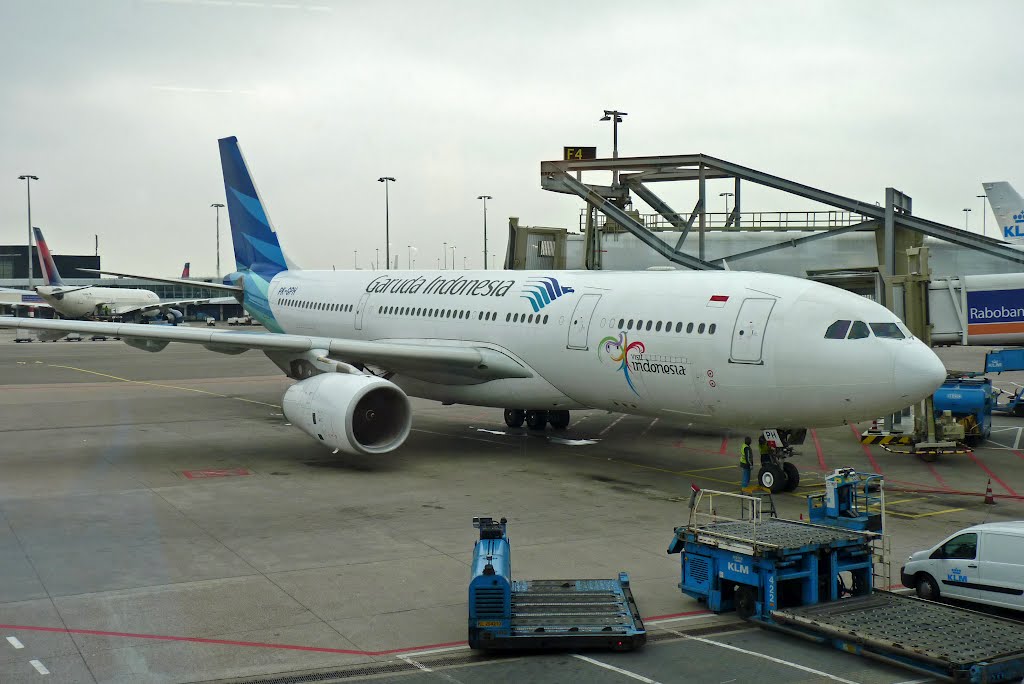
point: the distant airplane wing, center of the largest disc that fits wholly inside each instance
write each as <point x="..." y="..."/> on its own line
<point x="175" y="281"/>
<point x="34" y="301"/>
<point x="129" y="309"/>
<point x="418" y="359"/>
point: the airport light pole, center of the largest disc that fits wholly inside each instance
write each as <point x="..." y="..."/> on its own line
<point x="453" y="257"/>
<point x="355" y="259"/>
<point x="444" y="253"/>
<point x="726" y="195"/>
<point x="984" y="214"/>
<point x="387" y="227"/>
<point x="615" y="117"/>
<point x="485" y="198"/>
<point x="217" y="207"/>
<point x="967" y="216"/>
<point x="28" y="190"/>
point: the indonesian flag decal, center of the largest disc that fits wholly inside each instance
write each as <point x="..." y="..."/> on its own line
<point x="718" y="301"/>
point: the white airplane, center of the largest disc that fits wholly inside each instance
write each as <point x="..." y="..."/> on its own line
<point x="87" y="301"/>
<point x="1008" y="207"/>
<point x="726" y="349"/>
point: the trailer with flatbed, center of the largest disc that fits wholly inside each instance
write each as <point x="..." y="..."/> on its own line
<point x="819" y="583"/>
<point x="506" y="614"/>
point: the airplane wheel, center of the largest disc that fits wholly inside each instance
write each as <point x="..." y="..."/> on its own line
<point x="559" y="419"/>
<point x="536" y="420"/>
<point x="772" y="478"/>
<point x="792" y="474"/>
<point x="514" y="417"/>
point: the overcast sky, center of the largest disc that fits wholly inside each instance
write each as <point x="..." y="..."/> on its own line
<point x="117" y="106"/>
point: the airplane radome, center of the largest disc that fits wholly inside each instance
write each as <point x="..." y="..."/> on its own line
<point x="722" y="349"/>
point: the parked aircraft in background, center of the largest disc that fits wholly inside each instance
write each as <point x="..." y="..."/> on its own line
<point x="1008" y="208"/>
<point x="92" y="301"/>
<point x="724" y="349"/>
<point x="185" y="271"/>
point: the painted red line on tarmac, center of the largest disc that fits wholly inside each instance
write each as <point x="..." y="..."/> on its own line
<point x="817" y="447"/>
<point x="665" y="617"/>
<point x="1019" y="453"/>
<point x="725" y="443"/>
<point x="995" y="477"/>
<point x="228" y="642"/>
<point x="678" y="444"/>
<point x="867" y="451"/>
<point x="938" y="478"/>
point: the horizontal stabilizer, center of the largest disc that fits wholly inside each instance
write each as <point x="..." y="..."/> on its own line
<point x="175" y="281"/>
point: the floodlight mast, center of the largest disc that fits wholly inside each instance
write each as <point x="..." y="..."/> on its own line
<point x="28" y="178"/>
<point x="615" y="117"/>
<point x="387" y="220"/>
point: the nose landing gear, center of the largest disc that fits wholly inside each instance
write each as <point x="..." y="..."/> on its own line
<point x="537" y="419"/>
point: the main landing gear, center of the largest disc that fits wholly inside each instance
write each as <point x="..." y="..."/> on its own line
<point x="537" y="420"/>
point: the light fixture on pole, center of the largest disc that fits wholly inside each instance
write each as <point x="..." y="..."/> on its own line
<point x="444" y="255"/>
<point x="387" y="228"/>
<point x="726" y="195"/>
<point x="984" y="214"/>
<point x="376" y="258"/>
<point x="485" y="198"/>
<point x="615" y="117"/>
<point x="355" y="259"/>
<point x="453" y="257"/>
<point x="28" y="178"/>
<point x="217" y="207"/>
<point x="967" y="216"/>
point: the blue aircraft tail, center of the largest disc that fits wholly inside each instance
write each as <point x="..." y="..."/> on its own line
<point x="257" y="249"/>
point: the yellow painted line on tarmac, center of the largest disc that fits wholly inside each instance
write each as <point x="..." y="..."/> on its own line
<point x="157" y="384"/>
<point x="903" y="501"/>
<point x="915" y="516"/>
<point x="704" y="470"/>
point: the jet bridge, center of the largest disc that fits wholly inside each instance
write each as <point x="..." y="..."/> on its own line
<point x="896" y="226"/>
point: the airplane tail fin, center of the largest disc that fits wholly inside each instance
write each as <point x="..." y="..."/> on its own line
<point x="184" y="271"/>
<point x="257" y="249"/>
<point x="1008" y="208"/>
<point x="50" y="273"/>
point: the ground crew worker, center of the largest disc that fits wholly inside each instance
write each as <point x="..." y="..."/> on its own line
<point x="746" y="461"/>
<point x="766" y="451"/>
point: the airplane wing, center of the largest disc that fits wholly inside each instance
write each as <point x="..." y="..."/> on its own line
<point x="123" y="310"/>
<point x="34" y="301"/>
<point x="417" y="359"/>
<point x="173" y="281"/>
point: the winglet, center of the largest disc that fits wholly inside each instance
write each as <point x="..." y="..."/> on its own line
<point x="50" y="272"/>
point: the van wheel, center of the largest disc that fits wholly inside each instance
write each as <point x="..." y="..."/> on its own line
<point x="927" y="588"/>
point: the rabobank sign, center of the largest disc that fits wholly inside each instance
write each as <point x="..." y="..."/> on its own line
<point x="995" y="311"/>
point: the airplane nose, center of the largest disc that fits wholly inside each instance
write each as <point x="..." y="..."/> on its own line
<point x="918" y="372"/>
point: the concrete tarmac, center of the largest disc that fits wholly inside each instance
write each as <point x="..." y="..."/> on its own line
<point x="161" y="522"/>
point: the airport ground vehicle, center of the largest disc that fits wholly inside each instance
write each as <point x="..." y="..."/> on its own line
<point x="817" y="582"/>
<point x="210" y="321"/>
<point x="238" y="320"/>
<point x="981" y="564"/>
<point x="969" y="402"/>
<point x="544" y="614"/>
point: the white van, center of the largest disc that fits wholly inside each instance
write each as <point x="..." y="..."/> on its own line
<point x="982" y="564"/>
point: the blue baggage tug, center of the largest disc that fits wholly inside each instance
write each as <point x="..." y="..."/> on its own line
<point x="816" y="582"/>
<point x="544" y="614"/>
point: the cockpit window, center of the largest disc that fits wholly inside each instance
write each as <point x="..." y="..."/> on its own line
<point x="837" y="331"/>
<point x="859" y="330"/>
<point x="890" y="330"/>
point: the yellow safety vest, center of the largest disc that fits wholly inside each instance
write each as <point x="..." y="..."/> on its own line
<point x="745" y="461"/>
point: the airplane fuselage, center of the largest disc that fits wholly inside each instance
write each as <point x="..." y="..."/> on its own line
<point x="81" y="302"/>
<point x="720" y="349"/>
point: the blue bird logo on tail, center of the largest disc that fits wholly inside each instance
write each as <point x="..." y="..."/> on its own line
<point x="542" y="291"/>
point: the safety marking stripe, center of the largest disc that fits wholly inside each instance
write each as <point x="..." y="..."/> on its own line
<point x="915" y="516"/>
<point x="15" y="643"/>
<point x="817" y="448"/>
<point x="995" y="477"/>
<point x="867" y="452"/>
<point x="612" y="424"/>
<point x="780" y="661"/>
<point x="627" y="673"/>
<point x="40" y="668"/>
<point x="157" y="384"/>
<point x="886" y="439"/>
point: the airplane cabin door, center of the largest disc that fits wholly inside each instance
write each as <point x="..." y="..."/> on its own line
<point x="748" y="333"/>
<point x="579" y="324"/>
<point x="360" y="309"/>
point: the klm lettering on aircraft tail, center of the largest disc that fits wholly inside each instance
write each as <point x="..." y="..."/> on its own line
<point x="1008" y="207"/>
<point x="1017" y="229"/>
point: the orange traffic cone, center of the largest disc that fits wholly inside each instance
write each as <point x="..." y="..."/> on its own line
<point x="989" y="499"/>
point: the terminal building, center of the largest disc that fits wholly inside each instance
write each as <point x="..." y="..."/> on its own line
<point x="14" y="275"/>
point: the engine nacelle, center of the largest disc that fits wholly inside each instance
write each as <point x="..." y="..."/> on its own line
<point x="173" y="316"/>
<point x="357" y="414"/>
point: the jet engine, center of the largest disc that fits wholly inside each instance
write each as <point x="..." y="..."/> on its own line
<point x="357" y="414"/>
<point x="173" y="316"/>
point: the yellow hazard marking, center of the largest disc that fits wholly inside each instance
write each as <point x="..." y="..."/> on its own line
<point x="915" y="516"/>
<point x="157" y="384"/>
<point x="886" y="439"/>
<point x="704" y="470"/>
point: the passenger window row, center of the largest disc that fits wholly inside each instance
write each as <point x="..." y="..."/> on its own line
<point x="666" y="326"/>
<point x="315" y="306"/>
<point x="457" y="313"/>
<point x="858" y="330"/>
